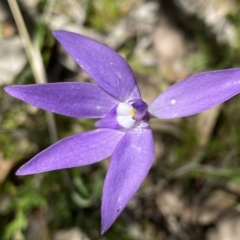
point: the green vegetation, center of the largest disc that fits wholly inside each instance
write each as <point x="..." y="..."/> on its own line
<point x="71" y="198"/>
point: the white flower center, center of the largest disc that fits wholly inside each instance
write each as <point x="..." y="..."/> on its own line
<point x="125" y="112"/>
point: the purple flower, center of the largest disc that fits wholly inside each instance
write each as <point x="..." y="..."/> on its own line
<point x="123" y="129"/>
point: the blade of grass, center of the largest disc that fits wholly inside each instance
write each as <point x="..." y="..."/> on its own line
<point x="36" y="63"/>
<point x="35" y="60"/>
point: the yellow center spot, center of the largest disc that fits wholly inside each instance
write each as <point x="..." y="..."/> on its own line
<point x="133" y="111"/>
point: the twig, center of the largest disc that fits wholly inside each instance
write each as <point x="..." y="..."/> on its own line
<point x="35" y="61"/>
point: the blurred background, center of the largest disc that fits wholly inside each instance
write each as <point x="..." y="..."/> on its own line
<point x="193" y="189"/>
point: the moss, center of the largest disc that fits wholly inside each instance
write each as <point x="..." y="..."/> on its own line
<point x="102" y="14"/>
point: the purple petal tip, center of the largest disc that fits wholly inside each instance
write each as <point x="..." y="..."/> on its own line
<point x="20" y="172"/>
<point x="57" y="32"/>
<point x="7" y="89"/>
<point x="12" y="90"/>
<point x="105" y="226"/>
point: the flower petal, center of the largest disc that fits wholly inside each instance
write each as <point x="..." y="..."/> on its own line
<point x="107" y="68"/>
<point x="78" y="150"/>
<point x="74" y="99"/>
<point x="196" y="94"/>
<point x="129" y="165"/>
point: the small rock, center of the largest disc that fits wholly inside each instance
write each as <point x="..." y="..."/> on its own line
<point x="12" y="59"/>
<point x="170" y="51"/>
<point x="210" y="210"/>
<point x="226" y="229"/>
<point x="70" y="234"/>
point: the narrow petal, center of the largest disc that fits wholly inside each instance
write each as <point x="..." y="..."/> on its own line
<point x="118" y="118"/>
<point x="107" y="68"/>
<point x="196" y="94"/>
<point x="78" y="150"/>
<point x="74" y="99"/>
<point x="129" y="165"/>
<point x="109" y="121"/>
